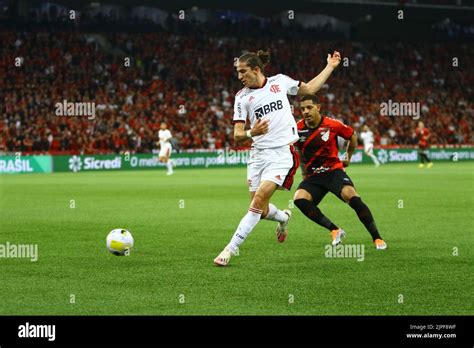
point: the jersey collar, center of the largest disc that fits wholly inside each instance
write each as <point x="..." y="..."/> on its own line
<point x="264" y="83"/>
<point x="317" y="126"/>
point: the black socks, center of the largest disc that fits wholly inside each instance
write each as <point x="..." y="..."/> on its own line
<point x="309" y="209"/>
<point x="365" y="216"/>
<point x="424" y="157"/>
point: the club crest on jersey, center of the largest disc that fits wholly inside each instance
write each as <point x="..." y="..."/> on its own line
<point x="270" y="107"/>
<point x="275" y="88"/>
<point x="325" y="135"/>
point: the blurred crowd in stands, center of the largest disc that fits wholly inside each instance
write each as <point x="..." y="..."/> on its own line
<point x="139" y="80"/>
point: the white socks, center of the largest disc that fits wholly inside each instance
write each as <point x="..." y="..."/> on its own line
<point x="247" y="224"/>
<point x="250" y="220"/>
<point x="274" y="214"/>
<point x="169" y="165"/>
<point x="376" y="161"/>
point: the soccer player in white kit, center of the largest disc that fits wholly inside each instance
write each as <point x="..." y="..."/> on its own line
<point x="273" y="160"/>
<point x="368" y="139"/>
<point x="165" y="147"/>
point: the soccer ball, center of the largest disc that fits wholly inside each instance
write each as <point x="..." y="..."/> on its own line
<point x="119" y="242"/>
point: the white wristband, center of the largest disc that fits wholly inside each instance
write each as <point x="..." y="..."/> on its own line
<point x="249" y="135"/>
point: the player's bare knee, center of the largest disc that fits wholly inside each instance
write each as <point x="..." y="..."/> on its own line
<point x="347" y="193"/>
<point x="302" y="194"/>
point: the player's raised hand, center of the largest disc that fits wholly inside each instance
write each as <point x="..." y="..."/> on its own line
<point x="334" y="60"/>
<point x="260" y="127"/>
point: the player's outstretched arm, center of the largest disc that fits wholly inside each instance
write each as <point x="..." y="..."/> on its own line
<point x="350" y="149"/>
<point x="315" y="84"/>
<point x="240" y="134"/>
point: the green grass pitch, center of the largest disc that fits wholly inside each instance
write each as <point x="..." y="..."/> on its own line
<point x="180" y="223"/>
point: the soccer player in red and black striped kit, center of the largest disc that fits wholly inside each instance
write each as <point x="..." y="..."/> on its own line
<point x="323" y="171"/>
<point x="423" y="135"/>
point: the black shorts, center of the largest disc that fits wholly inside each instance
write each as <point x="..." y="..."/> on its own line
<point x="333" y="181"/>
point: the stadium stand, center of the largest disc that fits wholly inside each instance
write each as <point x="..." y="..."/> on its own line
<point x="184" y="76"/>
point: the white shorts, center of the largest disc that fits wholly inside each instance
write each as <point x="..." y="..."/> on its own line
<point x="165" y="151"/>
<point x="369" y="149"/>
<point x="278" y="165"/>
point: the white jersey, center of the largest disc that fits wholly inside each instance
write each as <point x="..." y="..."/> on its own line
<point x="165" y="136"/>
<point x="367" y="138"/>
<point x="269" y="102"/>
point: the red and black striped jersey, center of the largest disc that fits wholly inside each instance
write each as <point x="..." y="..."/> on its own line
<point x="422" y="134"/>
<point x="318" y="146"/>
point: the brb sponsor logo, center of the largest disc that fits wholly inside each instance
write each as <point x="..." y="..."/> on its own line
<point x="266" y="109"/>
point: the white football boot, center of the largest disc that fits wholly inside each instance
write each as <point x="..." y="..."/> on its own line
<point x="282" y="227"/>
<point x="337" y="236"/>
<point x="223" y="258"/>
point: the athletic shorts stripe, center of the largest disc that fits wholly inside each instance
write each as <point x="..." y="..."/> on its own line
<point x="291" y="173"/>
